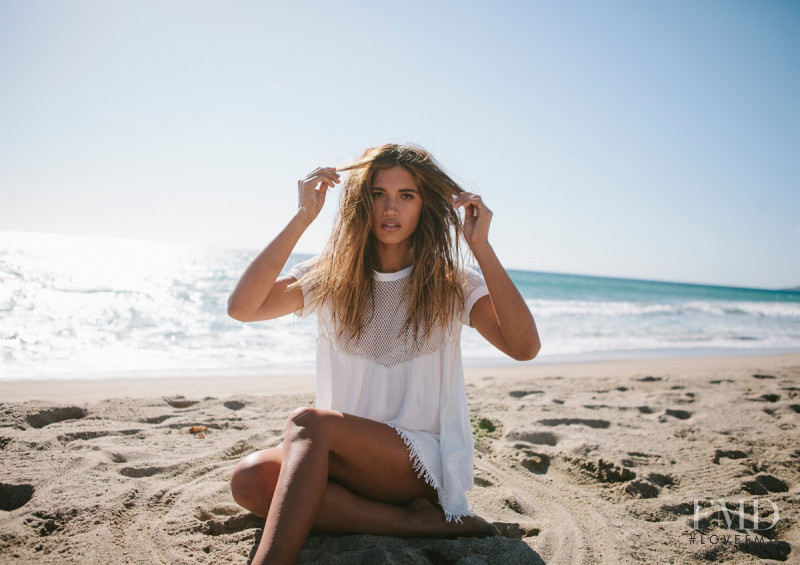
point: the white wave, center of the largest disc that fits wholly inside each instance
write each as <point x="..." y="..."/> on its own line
<point x="788" y="310"/>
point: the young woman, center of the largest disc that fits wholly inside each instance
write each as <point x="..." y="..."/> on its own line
<point x="388" y="447"/>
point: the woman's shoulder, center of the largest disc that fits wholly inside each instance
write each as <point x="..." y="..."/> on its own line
<point x="471" y="278"/>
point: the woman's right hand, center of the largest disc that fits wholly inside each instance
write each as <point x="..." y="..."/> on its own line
<point x="310" y="199"/>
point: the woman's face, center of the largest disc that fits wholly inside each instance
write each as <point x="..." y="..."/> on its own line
<point x="396" y="206"/>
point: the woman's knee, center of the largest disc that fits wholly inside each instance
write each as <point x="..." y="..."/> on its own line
<point x="307" y="423"/>
<point x="254" y="479"/>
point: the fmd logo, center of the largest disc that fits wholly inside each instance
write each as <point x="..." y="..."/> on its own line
<point x="744" y="521"/>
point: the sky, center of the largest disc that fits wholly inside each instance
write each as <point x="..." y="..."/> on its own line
<point x="638" y="139"/>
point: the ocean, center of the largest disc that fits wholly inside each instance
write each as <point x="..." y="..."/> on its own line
<point x="79" y="307"/>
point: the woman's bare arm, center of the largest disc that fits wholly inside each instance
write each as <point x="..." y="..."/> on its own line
<point x="259" y="294"/>
<point x="503" y="317"/>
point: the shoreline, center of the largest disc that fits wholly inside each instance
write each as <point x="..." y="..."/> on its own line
<point x="94" y="390"/>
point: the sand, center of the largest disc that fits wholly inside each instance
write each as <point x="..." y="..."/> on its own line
<point x="575" y="463"/>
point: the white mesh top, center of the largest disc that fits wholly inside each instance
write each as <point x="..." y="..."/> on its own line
<point x="416" y="388"/>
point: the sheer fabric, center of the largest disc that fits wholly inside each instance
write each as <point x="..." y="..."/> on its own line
<point x="416" y="388"/>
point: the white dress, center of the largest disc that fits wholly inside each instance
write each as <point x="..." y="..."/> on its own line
<point x="416" y="388"/>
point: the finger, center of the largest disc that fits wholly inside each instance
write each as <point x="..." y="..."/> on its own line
<point x="467" y="196"/>
<point x="313" y="180"/>
<point x="330" y="172"/>
<point x="325" y="171"/>
<point x="473" y="201"/>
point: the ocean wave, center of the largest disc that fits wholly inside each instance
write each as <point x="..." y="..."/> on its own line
<point x="632" y="309"/>
<point x="72" y="307"/>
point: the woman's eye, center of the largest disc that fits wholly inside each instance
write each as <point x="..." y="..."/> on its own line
<point x="377" y="194"/>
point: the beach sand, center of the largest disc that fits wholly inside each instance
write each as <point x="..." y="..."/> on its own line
<point x="575" y="463"/>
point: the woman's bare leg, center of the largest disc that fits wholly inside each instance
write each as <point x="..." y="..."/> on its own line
<point x="343" y="512"/>
<point x="366" y="459"/>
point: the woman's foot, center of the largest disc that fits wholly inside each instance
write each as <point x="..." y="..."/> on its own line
<point x="429" y="521"/>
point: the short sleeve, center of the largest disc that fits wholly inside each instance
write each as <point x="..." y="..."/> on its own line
<point x="297" y="271"/>
<point x="474" y="289"/>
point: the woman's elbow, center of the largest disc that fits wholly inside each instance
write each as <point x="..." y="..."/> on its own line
<point x="529" y="352"/>
<point x="235" y="312"/>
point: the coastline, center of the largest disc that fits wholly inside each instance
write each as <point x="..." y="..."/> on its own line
<point x="270" y="382"/>
<point x="584" y="463"/>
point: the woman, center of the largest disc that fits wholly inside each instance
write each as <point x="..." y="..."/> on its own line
<point x="388" y="448"/>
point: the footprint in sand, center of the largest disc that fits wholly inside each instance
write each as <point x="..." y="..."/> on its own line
<point x="140" y="472"/>
<point x="217" y="511"/>
<point x="482" y="479"/>
<point x="763" y="484"/>
<point x="129" y="500"/>
<point x="234" y="405"/>
<point x="775" y="550"/>
<point x="729" y="454"/>
<point x="534" y="437"/>
<point x="603" y="471"/>
<point x="523" y="393"/>
<point x="535" y="462"/>
<point x="45" y="524"/>
<point x="238" y="448"/>
<point x="681" y="509"/>
<point x="213" y="524"/>
<point x="650" y="486"/>
<point x="14" y="496"/>
<point x="164" y="498"/>
<point x="53" y="415"/>
<point x="642" y="489"/>
<point x="85" y="435"/>
<point x="530" y="459"/>
<point x="179" y="401"/>
<point x="661" y="480"/>
<point x="679" y="414"/>
<point x="597" y="424"/>
<point x="763" y="377"/>
<point x="513" y="503"/>
<point x="636" y="458"/>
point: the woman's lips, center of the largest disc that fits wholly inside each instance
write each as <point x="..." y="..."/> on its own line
<point x="390" y="227"/>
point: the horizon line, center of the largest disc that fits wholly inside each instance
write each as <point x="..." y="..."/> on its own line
<point x="793" y="289"/>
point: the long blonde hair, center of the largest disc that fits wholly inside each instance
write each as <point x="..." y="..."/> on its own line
<point x="343" y="276"/>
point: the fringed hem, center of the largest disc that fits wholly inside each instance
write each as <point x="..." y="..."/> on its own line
<point x="419" y="467"/>
<point x="457" y="517"/>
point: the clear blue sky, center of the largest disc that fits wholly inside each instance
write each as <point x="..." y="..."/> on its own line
<point x="647" y="139"/>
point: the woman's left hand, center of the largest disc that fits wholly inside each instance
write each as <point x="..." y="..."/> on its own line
<point x="477" y="218"/>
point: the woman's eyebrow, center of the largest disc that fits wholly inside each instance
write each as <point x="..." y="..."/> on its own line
<point x="414" y="190"/>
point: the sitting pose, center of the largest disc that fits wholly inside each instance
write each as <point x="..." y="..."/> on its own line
<point x="388" y="447"/>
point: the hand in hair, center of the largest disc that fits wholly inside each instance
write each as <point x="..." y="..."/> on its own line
<point x="310" y="199"/>
<point x="477" y="218"/>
